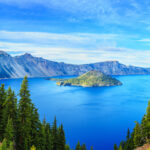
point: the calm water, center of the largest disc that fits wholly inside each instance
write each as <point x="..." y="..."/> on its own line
<point x="95" y="116"/>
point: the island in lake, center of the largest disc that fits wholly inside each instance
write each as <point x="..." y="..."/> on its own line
<point x="89" y="79"/>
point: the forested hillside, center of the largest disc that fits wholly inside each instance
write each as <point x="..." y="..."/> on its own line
<point x="139" y="136"/>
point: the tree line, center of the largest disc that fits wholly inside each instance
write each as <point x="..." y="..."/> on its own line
<point x="140" y="134"/>
<point x="21" y="128"/>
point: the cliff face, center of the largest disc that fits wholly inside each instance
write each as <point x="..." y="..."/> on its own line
<point x="19" y="66"/>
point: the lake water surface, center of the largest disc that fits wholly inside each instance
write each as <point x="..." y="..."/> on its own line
<point x="98" y="116"/>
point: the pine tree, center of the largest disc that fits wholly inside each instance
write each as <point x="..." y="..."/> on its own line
<point x="137" y="135"/>
<point x="9" y="131"/>
<point x="91" y="148"/>
<point x="48" y="137"/>
<point x="128" y="134"/>
<point x="54" y="135"/>
<point x="78" y="147"/>
<point x="24" y="117"/>
<point x="10" y="110"/>
<point x="43" y="136"/>
<point x="115" y="147"/>
<point x="120" y="147"/>
<point x="67" y="147"/>
<point x="83" y="147"/>
<point x="61" y="138"/>
<point x="2" y="119"/>
<point x="144" y="129"/>
<point x="35" y="126"/>
<point x="148" y="120"/>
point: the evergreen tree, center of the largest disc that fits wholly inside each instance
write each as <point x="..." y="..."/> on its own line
<point x="137" y="135"/>
<point x="83" y="147"/>
<point x="120" y="147"/>
<point x="21" y="127"/>
<point x="128" y="134"/>
<point x="148" y="120"/>
<point x="9" y="131"/>
<point x="43" y="136"/>
<point x="67" y="147"/>
<point x="91" y="148"/>
<point x="35" y="126"/>
<point x="115" y="147"/>
<point x="54" y="135"/>
<point x="24" y="117"/>
<point x="61" y="138"/>
<point x="78" y="147"/>
<point x="11" y="106"/>
<point x="144" y="129"/>
<point x="10" y="111"/>
<point x="2" y="119"/>
<point x="48" y="137"/>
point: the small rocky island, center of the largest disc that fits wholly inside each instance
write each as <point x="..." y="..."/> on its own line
<point x="89" y="79"/>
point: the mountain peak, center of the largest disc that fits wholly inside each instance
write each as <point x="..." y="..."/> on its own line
<point x="27" y="55"/>
<point x="3" y="53"/>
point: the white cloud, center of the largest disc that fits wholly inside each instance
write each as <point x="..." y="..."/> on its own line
<point x="81" y="56"/>
<point x="78" y="40"/>
<point x="144" y="40"/>
<point x="72" y="47"/>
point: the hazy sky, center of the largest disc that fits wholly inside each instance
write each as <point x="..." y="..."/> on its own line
<point x="77" y="31"/>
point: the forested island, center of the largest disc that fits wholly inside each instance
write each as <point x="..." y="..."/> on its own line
<point x="21" y="128"/>
<point x="89" y="79"/>
<point x="139" y="139"/>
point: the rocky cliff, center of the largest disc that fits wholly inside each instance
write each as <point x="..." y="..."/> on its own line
<point x="19" y="66"/>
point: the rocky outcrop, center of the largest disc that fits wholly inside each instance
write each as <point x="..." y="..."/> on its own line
<point x="19" y="66"/>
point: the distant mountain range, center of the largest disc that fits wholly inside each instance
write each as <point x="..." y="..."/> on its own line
<point x="19" y="66"/>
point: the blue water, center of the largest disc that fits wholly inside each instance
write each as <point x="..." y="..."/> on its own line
<point x="95" y="116"/>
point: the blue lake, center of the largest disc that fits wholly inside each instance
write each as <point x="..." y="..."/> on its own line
<point x="94" y="116"/>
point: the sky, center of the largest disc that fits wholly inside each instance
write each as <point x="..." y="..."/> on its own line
<point x="77" y="31"/>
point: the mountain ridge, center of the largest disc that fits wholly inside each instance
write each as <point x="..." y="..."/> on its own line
<point x="19" y="66"/>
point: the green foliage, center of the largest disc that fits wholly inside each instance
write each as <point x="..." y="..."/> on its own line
<point x="21" y="127"/>
<point x="140" y="134"/>
<point x="4" y="146"/>
<point x="9" y="131"/>
<point x="24" y="117"/>
<point x="90" y="79"/>
<point x="120" y="147"/>
<point x="2" y="109"/>
<point x="67" y="147"/>
<point x="137" y="135"/>
<point x="91" y="148"/>
<point x="78" y="147"/>
<point x="81" y="147"/>
<point x="61" y="138"/>
<point x="115" y="147"/>
<point x="33" y="147"/>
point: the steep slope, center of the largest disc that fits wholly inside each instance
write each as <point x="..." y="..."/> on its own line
<point x="9" y="68"/>
<point x="90" y="79"/>
<point x="19" y="66"/>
